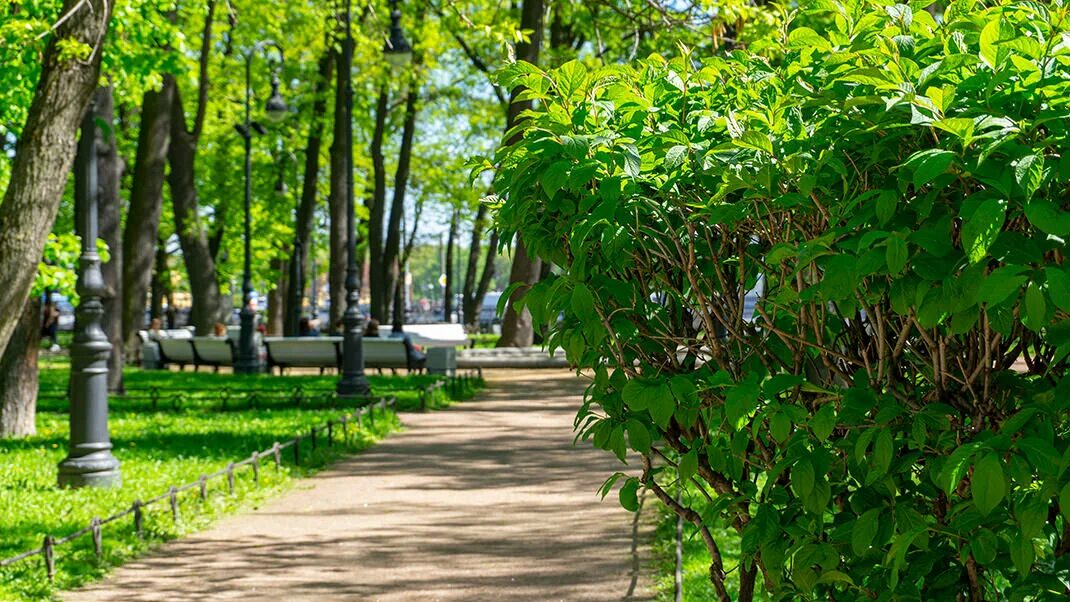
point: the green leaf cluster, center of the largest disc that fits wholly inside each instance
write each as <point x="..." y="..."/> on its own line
<point x="890" y="422"/>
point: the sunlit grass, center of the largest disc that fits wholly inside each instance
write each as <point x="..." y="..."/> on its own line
<point x="696" y="559"/>
<point x="158" y="449"/>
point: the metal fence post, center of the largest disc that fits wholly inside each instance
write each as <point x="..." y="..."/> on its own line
<point x="173" y="495"/>
<point x="138" y="518"/>
<point x="277" y="453"/>
<point x="50" y="558"/>
<point x="230" y="478"/>
<point x="203" y="482"/>
<point x="256" y="467"/>
<point x="98" y="538"/>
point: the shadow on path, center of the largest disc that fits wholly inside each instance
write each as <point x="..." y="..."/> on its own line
<point x="487" y="500"/>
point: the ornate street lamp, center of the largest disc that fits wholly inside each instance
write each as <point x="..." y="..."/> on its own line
<point x="397" y="51"/>
<point x="276" y="109"/>
<point x="89" y="461"/>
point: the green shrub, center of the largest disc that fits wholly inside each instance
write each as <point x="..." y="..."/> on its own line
<point x="901" y="183"/>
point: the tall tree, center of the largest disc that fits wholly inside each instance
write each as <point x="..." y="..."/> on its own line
<point x="109" y="172"/>
<point x="45" y="151"/>
<point x="377" y="210"/>
<point x="339" y="247"/>
<point x="190" y="225"/>
<point x="476" y="284"/>
<point x="146" y="204"/>
<point x="451" y="276"/>
<point x="517" y="329"/>
<point x="161" y="282"/>
<point x="306" y="210"/>
<point x="391" y="262"/>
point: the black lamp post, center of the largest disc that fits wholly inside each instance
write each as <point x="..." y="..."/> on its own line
<point x="397" y="51"/>
<point x="89" y="461"/>
<point x="248" y="360"/>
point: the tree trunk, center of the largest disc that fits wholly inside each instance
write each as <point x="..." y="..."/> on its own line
<point x="517" y="330"/>
<point x="451" y="241"/>
<point x="336" y="276"/>
<point x="400" y="289"/>
<point x="489" y="269"/>
<point x="306" y="210"/>
<point x="394" y="234"/>
<point x="143" y="216"/>
<point x="516" y="326"/>
<point x="18" y="374"/>
<point x="276" y="304"/>
<point x="44" y="153"/>
<point x="109" y="171"/>
<point x="399" y="302"/>
<point x="376" y="211"/>
<point x="189" y="225"/>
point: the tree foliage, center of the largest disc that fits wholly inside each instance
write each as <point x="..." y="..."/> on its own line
<point x="891" y="421"/>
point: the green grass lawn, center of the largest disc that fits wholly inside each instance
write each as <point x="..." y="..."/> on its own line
<point x="173" y="445"/>
<point x="696" y="560"/>
<point x="484" y="341"/>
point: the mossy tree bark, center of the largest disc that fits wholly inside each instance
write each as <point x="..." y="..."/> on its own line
<point x="18" y="374"/>
<point x="44" y="154"/>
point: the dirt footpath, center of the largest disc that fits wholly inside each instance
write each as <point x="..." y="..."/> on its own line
<point x="487" y="500"/>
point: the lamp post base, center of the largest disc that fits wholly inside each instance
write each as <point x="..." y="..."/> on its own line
<point x="247" y="361"/>
<point x="354" y="386"/>
<point x="99" y="469"/>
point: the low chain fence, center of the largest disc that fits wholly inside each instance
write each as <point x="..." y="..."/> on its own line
<point x="274" y="454"/>
<point x="455" y="385"/>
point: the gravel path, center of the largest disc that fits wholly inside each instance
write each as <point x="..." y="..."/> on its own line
<point x="488" y="500"/>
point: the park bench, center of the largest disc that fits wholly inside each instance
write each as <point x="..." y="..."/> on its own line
<point x="386" y="353"/>
<point x="303" y="352"/>
<point x="152" y="356"/>
<point x="438" y="335"/>
<point x="213" y="351"/>
<point x="176" y="351"/>
<point x="380" y="353"/>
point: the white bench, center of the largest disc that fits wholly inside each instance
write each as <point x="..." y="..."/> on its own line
<point x="438" y="335"/>
<point x="304" y="352"/>
<point x="385" y="352"/>
<point x="213" y="351"/>
<point x="177" y="351"/>
<point x="153" y="357"/>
